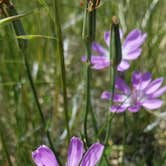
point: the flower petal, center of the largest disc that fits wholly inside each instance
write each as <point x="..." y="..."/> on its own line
<point x="106" y="95"/>
<point x="99" y="62"/>
<point x="75" y="152"/>
<point x="135" y="33"/>
<point x="117" y="108"/>
<point x="154" y="85"/>
<point x="99" y="49"/>
<point x="146" y="79"/>
<point x="159" y="92"/>
<point x="121" y="33"/>
<point x="93" y="155"/>
<point x="152" y="103"/>
<point x="134" y="108"/>
<point x="107" y="37"/>
<point x="134" y="40"/>
<point x="44" y="156"/>
<point x="84" y="58"/>
<point x="122" y="86"/>
<point x="120" y="98"/>
<point x="141" y="80"/>
<point x="131" y="55"/>
<point x="137" y="42"/>
<point x="124" y="65"/>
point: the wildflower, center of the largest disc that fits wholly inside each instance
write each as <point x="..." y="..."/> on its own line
<point x="143" y="93"/>
<point x="43" y="156"/>
<point x="131" y="50"/>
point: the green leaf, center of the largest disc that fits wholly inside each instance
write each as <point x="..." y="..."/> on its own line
<point x="13" y="18"/>
<point x="29" y="37"/>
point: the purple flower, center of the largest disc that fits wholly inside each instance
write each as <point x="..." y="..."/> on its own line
<point x="131" y="50"/>
<point x="43" y="156"/>
<point x="143" y="93"/>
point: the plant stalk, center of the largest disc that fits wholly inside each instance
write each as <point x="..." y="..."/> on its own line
<point x="115" y="57"/>
<point x="5" y="147"/>
<point x="60" y="54"/>
<point x="89" y="30"/>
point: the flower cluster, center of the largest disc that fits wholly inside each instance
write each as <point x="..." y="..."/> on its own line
<point x="143" y="92"/>
<point x="43" y="156"/>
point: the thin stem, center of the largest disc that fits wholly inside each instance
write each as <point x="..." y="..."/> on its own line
<point x="115" y="57"/>
<point x="91" y="36"/>
<point x="5" y="148"/>
<point x="88" y="102"/>
<point x="124" y="133"/>
<point x="60" y="54"/>
<point x="112" y="77"/>
<point x="89" y="29"/>
<point x="84" y="33"/>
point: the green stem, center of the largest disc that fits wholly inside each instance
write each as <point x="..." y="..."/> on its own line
<point x="112" y="77"/>
<point x="91" y="34"/>
<point x="88" y="102"/>
<point x="5" y="148"/>
<point x="124" y="133"/>
<point x="115" y="57"/>
<point x="89" y="29"/>
<point x="60" y="54"/>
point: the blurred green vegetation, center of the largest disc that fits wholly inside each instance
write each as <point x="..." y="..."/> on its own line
<point x="19" y="119"/>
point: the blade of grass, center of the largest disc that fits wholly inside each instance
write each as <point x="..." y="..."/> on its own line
<point x="3" y="141"/>
<point x="60" y="54"/>
<point x="13" y="18"/>
<point x="30" y="37"/>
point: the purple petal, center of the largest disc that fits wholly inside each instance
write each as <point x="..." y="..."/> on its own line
<point x="43" y="156"/>
<point x="159" y="92"/>
<point x="131" y="46"/>
<point x="134" y="40"/>
<point x="134" y="108"/>
<point x="141" y="80"/>
<point x="106" y="95"/>
<point x="117" y="109"/>
<point x="121" y="85"/>
<point x="100" y="62"/>
<point x="107" y="38"/>
<point x="121" y="33"/>
<point x="131" y="55"/>
<point x="124" y="65"/>
<point x="99" y="49"/>
<point x="75" y="152"/>
<point x="99" y="59"/>
<point x="154" y="85"/>
<point x="152" y="103"/>
<point x="120" y="98"/>
<point x="84" y="58"/>
<point x="99" y="66"/>
<point x="132" y="35"/>
<point x="93" y="155"/>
